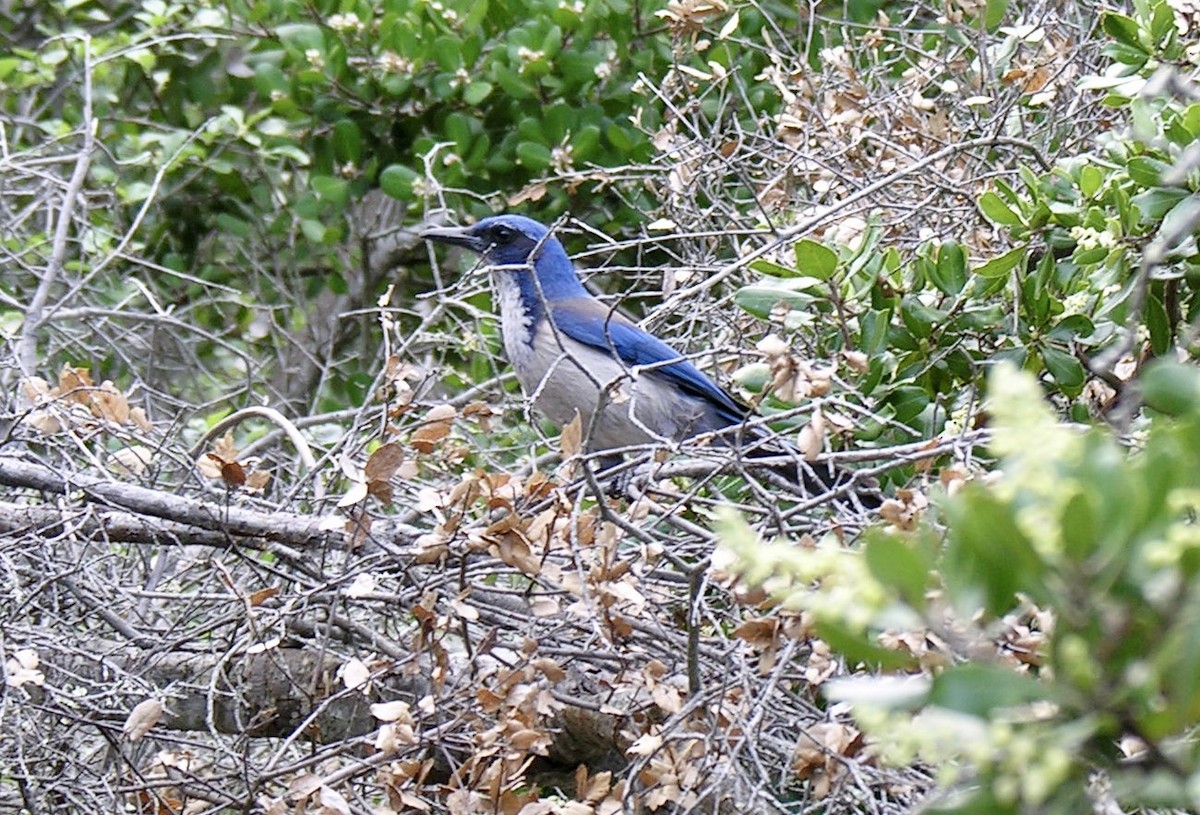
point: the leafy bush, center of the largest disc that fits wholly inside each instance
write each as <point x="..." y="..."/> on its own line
<point x="1059" y="603"/>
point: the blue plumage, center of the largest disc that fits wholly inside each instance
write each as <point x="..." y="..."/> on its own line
<point x="572" y="353"/>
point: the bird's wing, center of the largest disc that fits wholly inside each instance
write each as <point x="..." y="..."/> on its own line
<point x="592" y="323"/>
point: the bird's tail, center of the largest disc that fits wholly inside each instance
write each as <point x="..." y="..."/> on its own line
<point x="770" y="453"/>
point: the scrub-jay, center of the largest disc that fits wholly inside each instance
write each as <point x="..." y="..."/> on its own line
<point x="572" y="352"/>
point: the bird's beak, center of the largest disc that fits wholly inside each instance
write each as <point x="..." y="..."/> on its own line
<point x="456" y="236"/>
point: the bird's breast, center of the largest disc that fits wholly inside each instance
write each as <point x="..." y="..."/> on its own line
<point x="516" y="321"/>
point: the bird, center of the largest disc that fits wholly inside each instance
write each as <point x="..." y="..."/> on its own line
<point x="574" y="354"/>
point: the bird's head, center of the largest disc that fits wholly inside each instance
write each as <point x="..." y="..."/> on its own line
<point x="515" y="241"/>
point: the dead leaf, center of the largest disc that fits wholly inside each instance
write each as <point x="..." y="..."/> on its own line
<point x="302" y="786"/>
<point x="811" y="440"/>
<point x="334" y="801"/>
<point x="571" y="440"/>
<point x="257" y="480"/>
<point x="397" y="710"/>
<point x="72" y="384"/>
<point x="384" y="462"/>
<point x="820" y="753"/>
<point x="257" y="598"/>
<point x="109" y="404"/>
<point x="357" y="492"/>
<point x="142" y="718"/>
<point x="436" y="426"/>
<point x="22" y="668"/>
<point x="646" y="745"/>
<point x="233" y="473"/>
<point x="355" y="674"/>
<point x="132" y="460"/>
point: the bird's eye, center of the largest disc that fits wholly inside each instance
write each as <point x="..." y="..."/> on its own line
<point x="503" y="234"/>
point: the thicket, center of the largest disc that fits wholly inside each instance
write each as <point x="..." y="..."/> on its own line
<point x="268" y="476"/>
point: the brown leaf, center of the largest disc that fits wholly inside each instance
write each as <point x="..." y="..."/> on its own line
<point x="142" y="718"/>
<point x="571" y="441"/>
<point x="225" y="449"/>
<point x="43" y="422"/>
<point x="811" y="440"/>
<point x="760" y="633"/>
<point x="595" y="787"/>
<point x="35" y="388"/>
<point x="534" y="741"/>
<point x="820" y="751"/>
<point x="857" y="361"/>
<point x="302" y="786"/>
<point x="138" y="416"/>
<point x="71" y="381"/>
<point x="533" y="192"/>
<point x="381" y="490"/>
<point x="425" y="438"/>
<point x="110" y="404"/>
<point x="257" y="480"/>
<point x="132" y="460"/>
<point x="384" y="462"/>
<point x="257" y="598"/>
<point x="358" y="526"/>
<point x="436" y="426"/>
<point x="210" y="465"/>
<point x="550" y="669"/>
<point x="233" y="473"/>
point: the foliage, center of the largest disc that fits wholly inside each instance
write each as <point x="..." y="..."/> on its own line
<point x="1095" y="247"/>
<point x="1068" y="585"/>
<point x="849" y="214"/>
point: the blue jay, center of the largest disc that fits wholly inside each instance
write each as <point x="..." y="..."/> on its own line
<point x="572" y="352"/>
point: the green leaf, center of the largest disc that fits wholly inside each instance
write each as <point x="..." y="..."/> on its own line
<point x="458" y="129"/>
<point x="815" y="259"/>
<point x="397" y="181"/>
<point x="476" y="16"/>
<point x="232" y="225"/>
<point x="762" y="300"/>
<point x="533" y="155"/>
<point x="874" y="331"/>
<point x="347" y="141"/>
<point x="1162" y="24"/>
<point x="1158" y="325"/>
<point x="1090" y="179"/>
<point x="476" y="92"/>
<point x="908" y="403"/>
<point x="988" y="558"/>
<point x="994" y="14"/>
<point x="1072" y="327"/>
<point x="335" y="190"/>
<point x="1066" y="369"/>
<point x="447" y="52"/>
<point x="1191" y="118"/>
<point x="618" y="138"/>
<point x="771" y="268"/>
<point x="920" y="318"/>
<point x="7" y="66"/>
<point x="1156" y="202"/>
<point x="949" y="273"/>
<point x="302" y="36"/>
<point x="314" y="231"/>
<point x="859" y="649"/>
<point x="980" y="689"/>
<point x="1080" y="527"/>
<point x="753" y="377"/>
<point x="996" y="211"/>
<point x="896" y="562"/>
<point x="1146" y="171"/>
<point x="1122" y="29"/>
<point x="1181" y="222"/>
